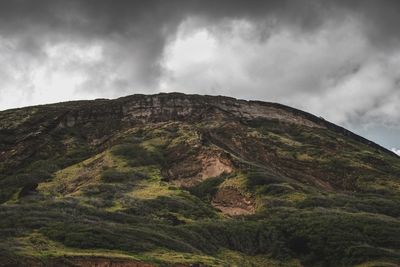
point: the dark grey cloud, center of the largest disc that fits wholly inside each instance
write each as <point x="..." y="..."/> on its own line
<point x="146" y="26"/>
<point x="338" y="59"/>
<point x="154" y="20"/>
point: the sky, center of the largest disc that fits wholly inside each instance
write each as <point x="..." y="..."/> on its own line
<point x="336" y="59"/>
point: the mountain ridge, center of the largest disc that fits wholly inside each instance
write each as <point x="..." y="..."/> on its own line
<point x="189" y="180"/>
<point x="215" y="100"/>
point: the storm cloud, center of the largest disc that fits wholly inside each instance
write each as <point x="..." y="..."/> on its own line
<point x="336" y="59"/>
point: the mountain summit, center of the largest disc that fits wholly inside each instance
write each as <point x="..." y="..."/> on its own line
<point x="190" y="180"/>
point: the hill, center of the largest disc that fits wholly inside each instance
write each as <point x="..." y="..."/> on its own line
<point x="189" y="180"/>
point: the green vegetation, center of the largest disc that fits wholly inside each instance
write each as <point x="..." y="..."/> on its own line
<point x="102" y="188"/>
<point x="207" y="189"/>
<point x="114" y="176"/>
<point x="136" y="155"/>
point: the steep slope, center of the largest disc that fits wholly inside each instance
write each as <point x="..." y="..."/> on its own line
<point x="174" y="179"/>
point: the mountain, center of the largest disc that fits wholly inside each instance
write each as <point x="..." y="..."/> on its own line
<point x="190" y="180"/>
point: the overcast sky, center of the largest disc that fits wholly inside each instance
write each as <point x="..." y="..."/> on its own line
<point x="336" y="59"/>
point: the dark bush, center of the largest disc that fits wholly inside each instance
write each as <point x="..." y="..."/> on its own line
<point x="114" y="176"/>
<point x="208" y="188"/>
<point x="258" y="178"/>
<point x="137" y="155"/>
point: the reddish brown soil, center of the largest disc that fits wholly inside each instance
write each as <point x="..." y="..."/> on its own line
<point x="196" y="168"/>
<point x="231" y="202"/>
<point x="104" y="262"/>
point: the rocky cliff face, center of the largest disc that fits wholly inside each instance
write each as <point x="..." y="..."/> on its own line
<point x="136" y="109"/>
<point x="165" y="107"/>
<point x="187" y="179"/>
<point x="185" y="107"/>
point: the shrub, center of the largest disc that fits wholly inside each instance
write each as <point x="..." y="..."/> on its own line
<point x="208" y="188"/>
<point x="137" y="155"/>
<point x="114" y="176"/>
<point x="258" y="178"/>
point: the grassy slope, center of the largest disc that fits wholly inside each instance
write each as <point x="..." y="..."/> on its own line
<point x="322" y="199"/>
